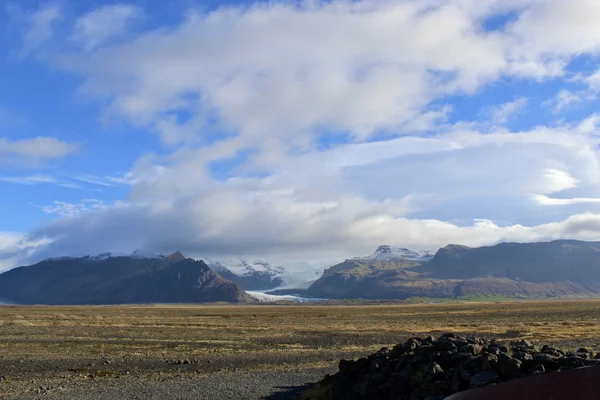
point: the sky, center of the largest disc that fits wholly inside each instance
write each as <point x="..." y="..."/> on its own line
<point x="299" y="132"/>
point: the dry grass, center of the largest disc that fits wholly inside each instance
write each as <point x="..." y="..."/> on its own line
<point x="70" y="344"/>
<point x="184" y="331"/>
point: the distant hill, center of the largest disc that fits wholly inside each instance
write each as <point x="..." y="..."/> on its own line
<point x="108" y="279"/>
<point x="562" y="268"/>
<point x="258" y="275"/>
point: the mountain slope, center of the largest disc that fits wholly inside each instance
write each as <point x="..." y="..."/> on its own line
<point x="358" y="278"/>
<point x="108" y="279"/>
<point x="563" y="268"/>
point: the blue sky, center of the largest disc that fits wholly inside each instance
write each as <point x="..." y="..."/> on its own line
<point x="299" y="132"/>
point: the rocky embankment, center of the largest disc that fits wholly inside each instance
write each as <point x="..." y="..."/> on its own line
<point x="435" y="368"/>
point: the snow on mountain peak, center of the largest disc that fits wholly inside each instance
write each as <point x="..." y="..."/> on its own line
<point x="244" y="268"/>
<point x="261" y="266"/>
<point x="135" y="254"/>
<point x="387" y="253"/>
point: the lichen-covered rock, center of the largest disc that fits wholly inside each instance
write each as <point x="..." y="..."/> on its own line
<point x="432" y="368"/>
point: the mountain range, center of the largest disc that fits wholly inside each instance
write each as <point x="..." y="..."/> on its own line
<point x="109" y="279"/>
<point x="561" y="268"/>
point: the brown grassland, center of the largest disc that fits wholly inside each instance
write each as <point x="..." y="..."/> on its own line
<point x="67" y="344"/>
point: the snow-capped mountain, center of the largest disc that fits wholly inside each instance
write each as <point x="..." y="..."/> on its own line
<point x="388" y="253"/>
<point x="258" y="275"/>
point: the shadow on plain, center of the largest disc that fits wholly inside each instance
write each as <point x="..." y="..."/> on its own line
<point x="288" y="392"/>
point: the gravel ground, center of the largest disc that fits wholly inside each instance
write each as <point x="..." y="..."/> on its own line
<point x="238" y="385"/>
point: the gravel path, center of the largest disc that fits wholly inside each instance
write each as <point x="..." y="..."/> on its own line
<point x="236" y="385"/>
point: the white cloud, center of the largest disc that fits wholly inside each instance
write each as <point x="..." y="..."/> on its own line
<point x="362" y="67"/>
<point x="8" y="249"/>
<point x="102" y="24"/>
<point x="39" y="27"/>
<point x="590" y="125"/>
<point x="551" y="201"/>
<point x="9" y="239"/>
<point x="95" y="180"/>
<point x="29" y="179"/>
<point x="38" y="179"/>
<point x="593" y="81"/>
<point x="501" y="113"/>
<point x="36" y="148"/>
<point x="558" y="180"/>
<point x="566" y="98"/>
<point x="550" y="32"/>
<point x="262" y="73"/>
<point x="65" y="209"/>
<point x="15" y="248"/>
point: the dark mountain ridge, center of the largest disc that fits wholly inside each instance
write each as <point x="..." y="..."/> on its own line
<point x="117" y="280"/>
<point x="558" y="260"/>
<point x="561" y="268"/>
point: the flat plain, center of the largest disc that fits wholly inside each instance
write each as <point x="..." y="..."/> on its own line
<point x="233" y="351"/>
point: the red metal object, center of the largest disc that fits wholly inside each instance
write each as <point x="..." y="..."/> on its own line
<point x="577" y="384"/>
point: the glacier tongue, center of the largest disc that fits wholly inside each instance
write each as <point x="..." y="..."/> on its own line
<point x="265" y="297"/>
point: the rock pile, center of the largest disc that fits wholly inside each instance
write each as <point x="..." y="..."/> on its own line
<point x="432" y="368"/>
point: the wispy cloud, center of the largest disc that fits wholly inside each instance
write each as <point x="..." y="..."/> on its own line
<point x="39" y="180"/>
<point x="96" y="180"/>
<point x="39" y="26"/>
<point x="138" y="175"/>
<point x="102" y="24"/>
<point x="77" y="182"/>
<point x="29" y="179"/>
<point x="66" y="209"/>
<point x="502" y="113"/>
<point x="37" y="148"/>
<point x="567" y="98"/>
<point x="593" y="81"/>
